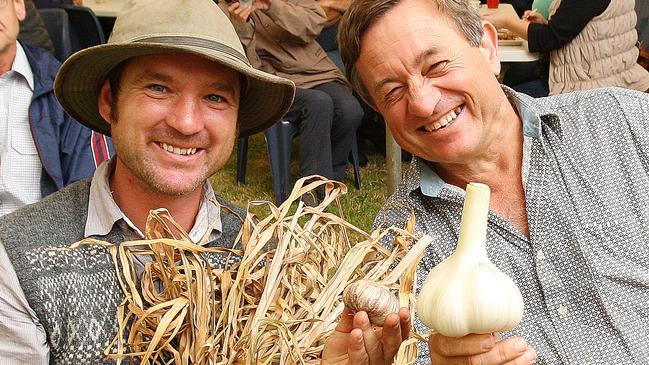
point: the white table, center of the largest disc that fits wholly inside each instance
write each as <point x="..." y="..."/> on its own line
<point x="511" y="53"/>
<point x="105" y="8"/>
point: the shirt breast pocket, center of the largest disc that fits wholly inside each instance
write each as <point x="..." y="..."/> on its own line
<point x="618" y="253"/>
<point x="22" y="142"/>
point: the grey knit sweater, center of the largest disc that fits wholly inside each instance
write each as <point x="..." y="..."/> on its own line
<point x="74" y="292"/>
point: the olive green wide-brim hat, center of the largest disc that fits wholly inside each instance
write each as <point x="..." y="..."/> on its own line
<point x="147" y="27"/>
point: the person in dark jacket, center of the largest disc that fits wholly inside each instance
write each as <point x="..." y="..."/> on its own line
<point x="42" y="149"/>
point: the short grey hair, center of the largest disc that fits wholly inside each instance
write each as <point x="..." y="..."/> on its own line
<point x="362" y="14"/>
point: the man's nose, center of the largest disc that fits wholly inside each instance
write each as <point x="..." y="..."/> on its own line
<point x="422" y="100"/>
<point x="186" y="116"/>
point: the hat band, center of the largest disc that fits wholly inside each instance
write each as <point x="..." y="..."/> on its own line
<point x="197" y="42"/>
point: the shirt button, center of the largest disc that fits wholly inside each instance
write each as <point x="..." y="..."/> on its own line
<point x="540" y="256"/>
<point x="563" y="311"/>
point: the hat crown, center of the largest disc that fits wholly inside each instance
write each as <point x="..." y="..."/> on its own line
<point x="200" y="19"/>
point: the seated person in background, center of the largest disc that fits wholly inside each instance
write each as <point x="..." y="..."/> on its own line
<point x="334" y="10"/>
<point x="540" y="6"/>
<point x="591" y="44"/>
<point x="519" y="5"/>
<point x="282" y="33"/>
<point x="642" y="10"/>
<point x="42" y="149"/>
<point x="569" y="208"/>
<point x="517" y="73"/>
<point x="174" y="103"/>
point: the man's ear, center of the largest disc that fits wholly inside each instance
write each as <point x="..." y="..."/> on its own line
<point x="19" y="7"/>
<point x="105" y="102"/>
<point x="489" y="46"/>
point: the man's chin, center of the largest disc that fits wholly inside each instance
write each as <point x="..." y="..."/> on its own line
<point x="177" y="188"/>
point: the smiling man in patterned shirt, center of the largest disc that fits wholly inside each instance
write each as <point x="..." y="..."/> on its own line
<point x="568" y="174"/>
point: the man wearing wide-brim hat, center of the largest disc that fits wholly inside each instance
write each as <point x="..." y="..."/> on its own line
<point x="174" y="89"/>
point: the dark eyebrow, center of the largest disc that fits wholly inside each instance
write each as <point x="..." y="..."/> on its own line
<point x="224" y="87"/>
<point x="418" y="61"/>
<point x="149" y="75"/>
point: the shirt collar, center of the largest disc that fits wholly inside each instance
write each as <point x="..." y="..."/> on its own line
<point x="103" y="212"/>
<point x="423" y="176"/>
<point x="22" y="67"/>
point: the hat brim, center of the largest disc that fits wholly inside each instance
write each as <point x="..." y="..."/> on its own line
<point x="265" y="99"/>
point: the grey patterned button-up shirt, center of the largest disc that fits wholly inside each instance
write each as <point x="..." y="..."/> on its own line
<point x="584" y="271"/>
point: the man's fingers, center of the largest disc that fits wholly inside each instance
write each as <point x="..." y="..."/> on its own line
<point x="404" y="318"/>
<point x="391" y="337"/>
<point x="527" y="358"/>
<point x="346" y="323"/>
<point x="245" y="13"/>
<point x="513" y="351"/>
<point x="356" y="350"/>
<point x="373" y="346"/>
<point x="464" y="346"/>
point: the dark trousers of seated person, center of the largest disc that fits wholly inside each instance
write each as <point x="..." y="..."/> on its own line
<point x="328" y="116"/>
<point x="528" y="78"/>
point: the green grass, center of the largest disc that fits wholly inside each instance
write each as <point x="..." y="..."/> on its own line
<point x="359" y="205"/>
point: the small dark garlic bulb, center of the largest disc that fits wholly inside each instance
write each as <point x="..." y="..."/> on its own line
<point x="375" y="299"/>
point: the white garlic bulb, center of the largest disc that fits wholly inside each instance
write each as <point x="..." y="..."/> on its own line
<point x="466" y="293"/>
<point x="372" y="298"/>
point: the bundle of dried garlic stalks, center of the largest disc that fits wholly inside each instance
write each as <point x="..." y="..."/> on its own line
<point x="274" y="303"/>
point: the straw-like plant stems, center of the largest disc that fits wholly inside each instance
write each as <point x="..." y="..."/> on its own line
<point x="277" y="298"/>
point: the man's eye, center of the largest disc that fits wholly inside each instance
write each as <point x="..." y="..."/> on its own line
<point x="157" y="88"/>
<point x="393" y="95"/>
<point x="436" y="67"/>
<point x="215" y="98"/>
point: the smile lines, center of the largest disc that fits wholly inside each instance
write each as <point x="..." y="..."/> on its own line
<point x="178" y="150"/>
<point x="443" y="121"/>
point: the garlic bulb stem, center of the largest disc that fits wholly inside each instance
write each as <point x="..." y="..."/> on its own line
<point x="472" y="238"/>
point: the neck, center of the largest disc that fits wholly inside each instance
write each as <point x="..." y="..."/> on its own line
<point x="136" y="199"/>
<point x="7" y="57"/>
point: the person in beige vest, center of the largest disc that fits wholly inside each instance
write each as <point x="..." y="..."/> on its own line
<point x="587" y="45"/>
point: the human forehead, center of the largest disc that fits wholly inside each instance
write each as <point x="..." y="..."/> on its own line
<point x="180" y="67"/>
<point x="392" y="48"/>
<point x="411" y="27"/>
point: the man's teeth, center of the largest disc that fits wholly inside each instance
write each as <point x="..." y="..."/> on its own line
<point x="443" y="121"/>
<point x="178" y="150"/>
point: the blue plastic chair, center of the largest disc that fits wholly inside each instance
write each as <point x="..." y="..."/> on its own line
<point x="58" y="27"/>
<point x="86" y="31"/>
<point x="279" y="139"/>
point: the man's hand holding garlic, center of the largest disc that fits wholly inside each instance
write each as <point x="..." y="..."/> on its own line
<point x="371" y="328"/>
<point x="466" y="300"/>
<point x="357" y="342"/>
